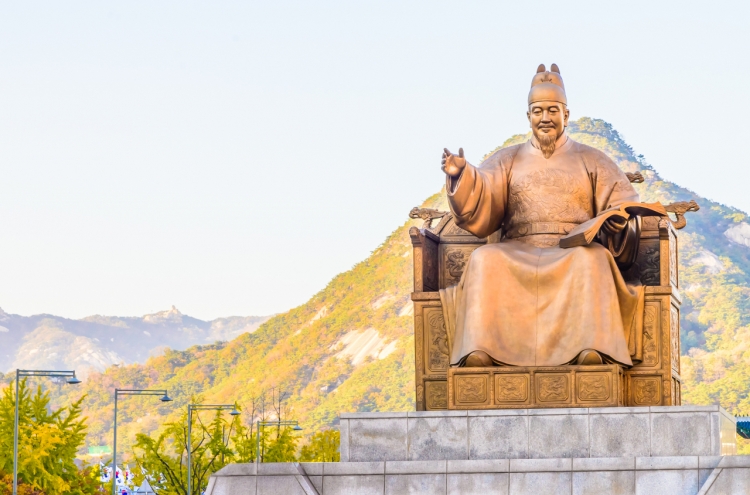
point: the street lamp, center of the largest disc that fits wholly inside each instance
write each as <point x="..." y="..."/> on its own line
<point x="71" y="379"/>
<point x="201" y="407"/>
<point x="262" y="424"/>
<point x="118" y="392"/>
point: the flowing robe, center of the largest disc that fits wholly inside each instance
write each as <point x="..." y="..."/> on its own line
<point x="524" y="300"/>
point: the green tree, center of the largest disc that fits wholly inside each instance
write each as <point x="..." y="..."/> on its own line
<point x="165" y="457"/>
<point x="276" y="444"/>
<point x="245" y="443"/>
<point x="323" y="447"/>
<point x="48" y="442"/>
<point x="283" y="448"/>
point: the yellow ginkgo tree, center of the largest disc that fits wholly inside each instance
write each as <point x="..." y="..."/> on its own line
<point x="48" y="442"/>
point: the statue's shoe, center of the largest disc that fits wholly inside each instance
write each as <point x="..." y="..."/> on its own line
<point x="589" y="357"/>
<point x="478" y="359"/>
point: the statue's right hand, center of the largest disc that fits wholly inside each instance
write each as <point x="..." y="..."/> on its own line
<point x="452" y="164"/>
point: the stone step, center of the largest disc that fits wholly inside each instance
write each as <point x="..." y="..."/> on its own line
<point x="678" y="475"/>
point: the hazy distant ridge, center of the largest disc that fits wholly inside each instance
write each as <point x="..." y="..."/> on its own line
<point x="96" y="342"/>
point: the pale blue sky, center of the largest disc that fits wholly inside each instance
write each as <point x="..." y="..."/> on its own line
<point x="232" y="157"/>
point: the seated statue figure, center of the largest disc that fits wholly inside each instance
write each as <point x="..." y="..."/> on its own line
<point x="525" y="301"/>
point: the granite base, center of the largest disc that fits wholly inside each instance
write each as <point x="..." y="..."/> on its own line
<point x="538" y="433"/>
<point x="685" y="475"/>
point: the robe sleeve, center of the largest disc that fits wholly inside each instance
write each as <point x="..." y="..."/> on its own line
<point x="612" y="188"/>
<point x="477" y="198"/>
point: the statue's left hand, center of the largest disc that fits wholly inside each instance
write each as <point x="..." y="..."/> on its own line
<point x="614" y="225"/>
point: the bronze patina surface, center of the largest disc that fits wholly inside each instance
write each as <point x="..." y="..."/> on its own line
<point x="493" y="288"/>
<point x="522" y="387"/>
<point x="525" y="301"/>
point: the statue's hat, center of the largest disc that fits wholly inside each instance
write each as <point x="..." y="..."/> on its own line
<point x="547" y="85"/>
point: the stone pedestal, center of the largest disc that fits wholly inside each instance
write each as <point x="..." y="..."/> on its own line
<point x="538" y="433"/>
<point x="630" y="451"/>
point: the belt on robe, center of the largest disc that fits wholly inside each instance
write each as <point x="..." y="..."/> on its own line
<point x="524" y="229"/>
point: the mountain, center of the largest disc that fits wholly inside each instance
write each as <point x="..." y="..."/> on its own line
<point x="351" y="346"/>
<point x="97" y="342"/>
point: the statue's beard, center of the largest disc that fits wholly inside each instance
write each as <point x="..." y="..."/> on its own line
<point x="547" y="143"/>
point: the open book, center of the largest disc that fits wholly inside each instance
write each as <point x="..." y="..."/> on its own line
<point x="585" y="233"/>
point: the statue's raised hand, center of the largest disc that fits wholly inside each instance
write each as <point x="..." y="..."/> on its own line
<point x="453" y="165"/>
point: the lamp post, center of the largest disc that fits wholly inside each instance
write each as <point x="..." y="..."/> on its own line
<point x="118" y="392"/>
<point x="201" y="407"/>
<point x="262" y="424"/>
<point x="71" y="379"/>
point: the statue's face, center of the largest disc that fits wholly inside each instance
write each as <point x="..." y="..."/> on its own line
<point x="548" y="119"/>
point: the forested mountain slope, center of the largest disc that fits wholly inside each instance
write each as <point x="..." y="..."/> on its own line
<point x="350" y="347"/>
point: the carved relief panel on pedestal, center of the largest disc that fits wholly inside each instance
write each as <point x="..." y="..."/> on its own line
<point x="651" y="332"/>
<point x="437" y="394"/>
<point x="436" y="345"/>
<point x="511" y="388"/>
<point x="646" y="390"/>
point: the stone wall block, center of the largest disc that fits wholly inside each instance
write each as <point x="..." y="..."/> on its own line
<point x="403" y="484"/>
<point x="372" y="484"/>
<point x="317" y="482"/>
<point x="731" y="481"/>
<point x="478" y="484"/>
<point x="540" y="483"/>
<point x="211" y="485"/>
<point x="620" y="435"/>
<point x="275" y="485"/>
<point x="558" y="436"/>
<point x="681" y="433"/>
<point x="673" y="482"/>
<point x="435" y="438"/>
<point x="233" y="485"/>
<point x="601" y="482"/>
<point x="499" y="437"/>
<point x="377" y="439"/>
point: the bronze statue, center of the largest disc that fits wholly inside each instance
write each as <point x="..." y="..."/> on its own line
<point x="525" y="301"/>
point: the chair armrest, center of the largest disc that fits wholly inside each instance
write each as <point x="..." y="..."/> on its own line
<point x="425" y="245"/>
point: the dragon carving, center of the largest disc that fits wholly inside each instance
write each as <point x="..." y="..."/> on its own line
<point x="635" y="177"/>
<point x="679" y="209"/>
<point x="426" y="214"/>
